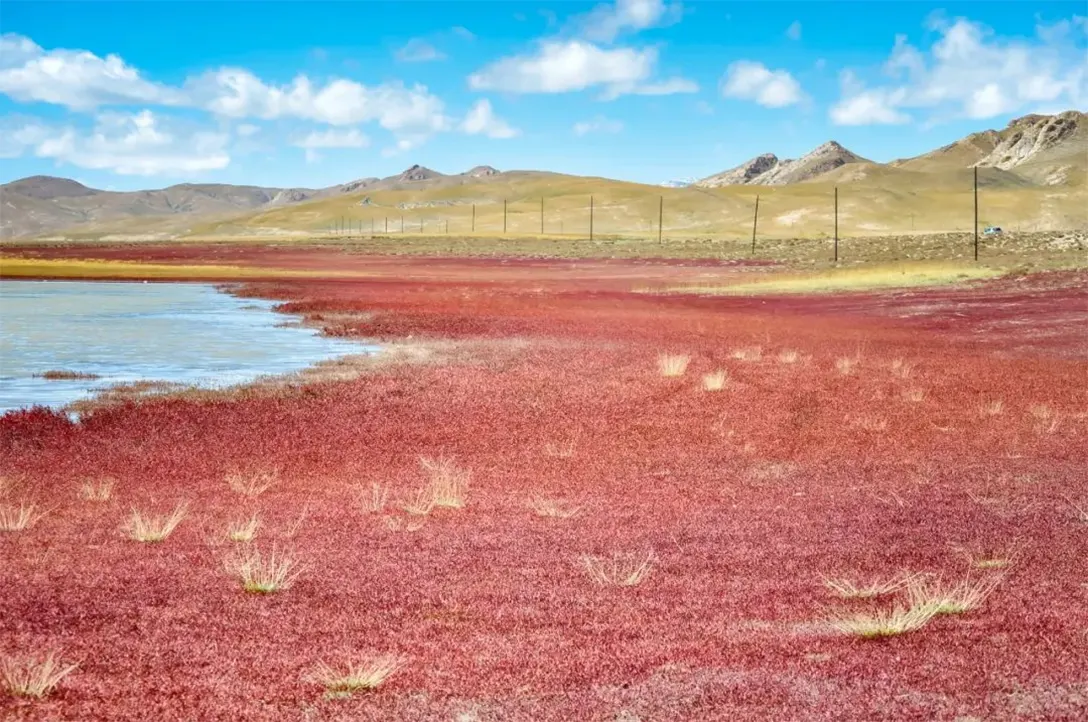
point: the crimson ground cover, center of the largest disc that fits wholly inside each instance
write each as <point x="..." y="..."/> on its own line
<point x="746" y="497"/>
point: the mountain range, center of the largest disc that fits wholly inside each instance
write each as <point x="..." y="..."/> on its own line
<point x="1033" y="153"/>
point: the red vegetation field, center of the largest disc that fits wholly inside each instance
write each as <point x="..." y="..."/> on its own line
<point x="924" y="432"/>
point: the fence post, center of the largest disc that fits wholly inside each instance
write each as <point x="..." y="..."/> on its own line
<point x="976" y="212"/>
<point x="591" y="218"/>
<point x="836" y="224"/>
<point x="755" y="223"/>
<point x="504" y="215"/>
<point x="402" y="223"/>
<point x="473" y="217"/>
<point x="542" y="215"/>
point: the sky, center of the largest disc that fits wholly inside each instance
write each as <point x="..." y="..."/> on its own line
<point x="132" y="95"/>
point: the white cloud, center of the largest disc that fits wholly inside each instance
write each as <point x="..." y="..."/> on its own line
<point x="793" y="32"/>
<point x="75" y="79"/>
<point x="334" y="138"/>
<point x="238" y="93"/>
<point x="246" y="130"/>
<point x="970" y="72"/>
<point x="418" y="51"/>
<point x="598" y="124"/>
<point x="481" y="120"/>
<point x="462" y="32"/>
<point x="130" y="144"/>
<point x="749" y="80"/>
<point x="606" y="21"/>
<point x="575" y="65"/>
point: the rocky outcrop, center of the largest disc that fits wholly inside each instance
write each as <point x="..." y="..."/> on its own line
<point x="769" y="170"/>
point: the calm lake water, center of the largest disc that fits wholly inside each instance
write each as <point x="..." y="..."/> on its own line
<point x="123" y="332"/>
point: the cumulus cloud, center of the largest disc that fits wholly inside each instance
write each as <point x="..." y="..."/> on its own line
<point x="128" y="144"/>
<point x="608" y="20"/>
<point x="481" y="120"/>
<point x="417" y="50"/>
<point x="76" y="79"/>
<point x="575" y="65"/>
<point x="238" y="93"/>
<point x="749" y="80"/>
<point x="598" y="124"/>
<point x="969" y="72"/>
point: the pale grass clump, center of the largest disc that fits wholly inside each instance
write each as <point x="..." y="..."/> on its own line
<point x="751" y="353"/>
<point x="845" y="365"/>
<point x="848" y="589"/>
<point x="673" y="365"/>
<point x="622" y="569"/>
<point x="788" y="356"/>
<point x="18" y="518"/>
<point x="448" y="482"/>
<point x="901" y="369"/>
<point x="914" y="395"/>
<point x="374" y="500"/>
<point x="1047" y="420"/>
<point x="991" y="407"/>
<point x="33" y="675"/>
<point x="395" y="523"/>
<point x="153" y="528"/>
<point x="355" y="676"/>
<point x="957" y="599"/>
<point x="252" y="483"/>
<point x="243" y="530"/>
<point x="555" y="508"/>
<point x="560" y="450"/>
<point x="1079" y="511"/>
<point x="715" y="381"/>
<point x="884" y="622"/>
<point x="96" y="489"/>
<point x="419" y="502"/>
<point x="264" y="573"/>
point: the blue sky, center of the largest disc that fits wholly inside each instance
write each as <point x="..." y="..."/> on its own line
<point x="147" y="94"/>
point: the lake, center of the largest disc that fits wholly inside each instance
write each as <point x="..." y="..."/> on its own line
<point x="187" y="333"/>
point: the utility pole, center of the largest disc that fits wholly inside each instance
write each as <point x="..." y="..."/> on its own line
<point x="976" y="212"/>
<point x="402" y="223"/>
<point x="387" y="225"/>
<point x="447" y="226"/>
<point x="836" y="224"/>
<point x="591" y="218"/>
<point x="542" y="215"/>
<point x="473" y="217"/>
<point x="504" y="215"/>
<point x="660" y="217"/>
<point x="755" y="222"/>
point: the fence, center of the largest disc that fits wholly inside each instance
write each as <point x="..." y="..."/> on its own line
<point x="755" y="215"/>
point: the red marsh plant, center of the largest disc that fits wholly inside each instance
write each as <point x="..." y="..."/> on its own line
<point x="355" y="675"/>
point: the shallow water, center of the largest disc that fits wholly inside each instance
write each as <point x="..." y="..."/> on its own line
<point x="186" y="333"/>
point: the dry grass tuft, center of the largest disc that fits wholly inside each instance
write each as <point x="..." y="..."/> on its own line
<point x="622" y="569"/>
<point x="788" y="356"/>
<point x="355" y="676"/>
<point x="847" y="589"/>
<point x="448" y="482"/>
<point x="845" y="365"/>
<point x="419" y="502"/>
<point x="1047" y="420"/>
<point x="243" y="530"/>
<point x="555" y="508"/>
<point x="914" y="395"/>
<point x="395" y="523"/>
<point x="18" y="518"/>
<point x="33" y="676"/>
<point x="673" y="365"/>
<point x="374" y="500"/>
<point x="252" y="483"/>
<point x="963" y="597"/>
<point x="901" y="369"/>
<point x="992" y="407"/>
<point x="97" y="489"/>
<point x="557" y="450"/>
<point x="1079" y="511"/>
<point x="751" y="353"/>
<point x="715" y="381"/>
<point x="883" y="623"/>
<point x="264" y="574"/>
<point x="146" y="528"/>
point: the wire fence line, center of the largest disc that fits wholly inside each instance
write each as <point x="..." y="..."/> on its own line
<point x="693" y="213"/>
